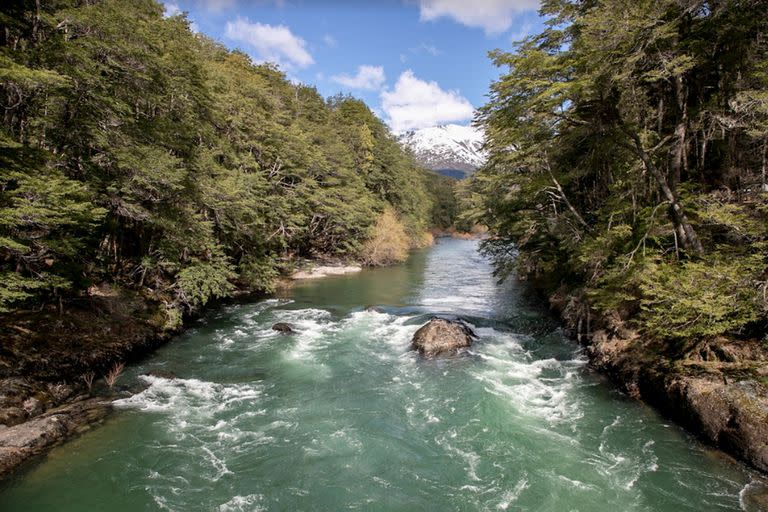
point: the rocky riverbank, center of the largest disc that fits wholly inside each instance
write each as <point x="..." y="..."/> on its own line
<point x="717" y="389"/>
<point x="53" y="362"/>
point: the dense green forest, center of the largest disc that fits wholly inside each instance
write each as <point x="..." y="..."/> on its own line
<point x="138" y="153"/>
<point x="629" y="145"/>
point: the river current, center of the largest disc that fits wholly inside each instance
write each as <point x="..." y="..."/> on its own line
<point x="343" y="416"/>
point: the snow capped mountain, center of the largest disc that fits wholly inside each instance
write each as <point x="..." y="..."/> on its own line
<point x="451" y="149"/>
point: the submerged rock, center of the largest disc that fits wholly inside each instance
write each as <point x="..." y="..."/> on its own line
<point x="441" y="336"/>
<point x="162" y="374"/>
<point x="283" y="328"/>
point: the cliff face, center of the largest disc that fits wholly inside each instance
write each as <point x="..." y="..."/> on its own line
<point x="716" y="389"/>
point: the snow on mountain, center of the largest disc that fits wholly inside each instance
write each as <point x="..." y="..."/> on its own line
<point x="450" y="149"/>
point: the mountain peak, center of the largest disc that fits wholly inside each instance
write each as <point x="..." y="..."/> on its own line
<point x="450" y="149"/>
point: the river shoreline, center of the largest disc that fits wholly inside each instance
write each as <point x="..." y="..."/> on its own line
<point x="236" y="409"/>
<point x="715" y="392"/>
<point x="40" y="408"/>
<point x="51" y="364"/>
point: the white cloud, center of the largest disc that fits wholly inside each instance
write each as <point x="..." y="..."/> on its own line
<point x="426" y="48"/>
<point x="368" y="77"/>
<point x="493" y="16"/>
<point x="521" y="34"/>
<point x="171" y="9"/>
<point x="329" y="41"/>
<point x="415" y="103"/>
<point x="272" y="43"/>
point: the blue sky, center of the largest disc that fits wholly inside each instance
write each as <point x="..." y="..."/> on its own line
<point x="416" y="63"/>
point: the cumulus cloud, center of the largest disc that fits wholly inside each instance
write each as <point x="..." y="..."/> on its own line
<point x="370" y="78"/>
<point x="493" y="16"/>
<point x="272" y="43"/>
<point x="415" y="103"/>
<point x="171" y="9"/>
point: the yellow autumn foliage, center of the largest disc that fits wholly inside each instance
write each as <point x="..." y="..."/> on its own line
<point x="389" y="242"/>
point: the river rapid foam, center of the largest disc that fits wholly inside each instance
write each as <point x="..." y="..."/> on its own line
<point x="343" y="415"/>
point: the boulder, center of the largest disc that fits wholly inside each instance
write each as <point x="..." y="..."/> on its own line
<point x="441" y="336"/>
<point x="283" y="328"/>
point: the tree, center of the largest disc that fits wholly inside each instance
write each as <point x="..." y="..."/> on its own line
<point x="622" y="149"/>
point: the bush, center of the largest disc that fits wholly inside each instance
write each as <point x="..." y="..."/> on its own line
<point x="259" y="274"/>
<point x="389" y="243"/>
<point x="204" y="280"/>
<point x="425" y="239"/>
<point x="701" y="298"/>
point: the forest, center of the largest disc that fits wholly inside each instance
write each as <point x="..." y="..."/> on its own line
<point x="629" y="145"/>
<point x="138" y="153"/>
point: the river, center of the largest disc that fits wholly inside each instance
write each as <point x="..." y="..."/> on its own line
<point x="342" y="416"/>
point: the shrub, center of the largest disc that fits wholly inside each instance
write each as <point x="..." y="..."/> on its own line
<point x="259" y="274"/>
<point x="202" y="281"/>
<point x="389" y="243"/>
<point x="701" y="298"/>
<point x="425" y="239"/>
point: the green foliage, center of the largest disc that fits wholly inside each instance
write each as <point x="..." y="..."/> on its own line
<point x="445" y="210"/>
<point x="695" y="299"/>
<point x="202" y="281"/>
<point x="259" y="274"/>
<point x="136" y="151"/>
<point x="16" y="288"/>
<point x="628" y="156"/>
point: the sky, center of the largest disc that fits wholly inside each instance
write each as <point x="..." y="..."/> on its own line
<point x="416" y="63"/>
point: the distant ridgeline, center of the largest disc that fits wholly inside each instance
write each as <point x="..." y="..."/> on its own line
<point x="451" y="150"/>
<point x="138" y="153"/>
<point x="628" y="153"/>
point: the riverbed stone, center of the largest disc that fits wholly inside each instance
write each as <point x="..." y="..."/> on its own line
<point x="442" y="336"/>
<point x="283" y="328"/>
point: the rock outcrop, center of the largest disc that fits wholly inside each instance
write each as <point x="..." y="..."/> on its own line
<point x="20" y="442"/>
<point x="441" y="336"/>
<point x="716" y="389"/>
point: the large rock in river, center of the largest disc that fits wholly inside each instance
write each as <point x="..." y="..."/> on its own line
<point x="441" y="336"/>
<point x="283" y="328"/>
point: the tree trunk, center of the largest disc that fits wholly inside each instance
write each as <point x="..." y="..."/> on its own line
<point x="678" y="160"/>
<point x="765" y="164"/>
<point x="685" y="232"/>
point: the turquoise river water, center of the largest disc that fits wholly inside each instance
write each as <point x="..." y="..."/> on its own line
<point x="342" y="416"/>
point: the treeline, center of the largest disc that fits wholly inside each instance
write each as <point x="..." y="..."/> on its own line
<point x="629" y="145"/>
<point x="137" y="152"/>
